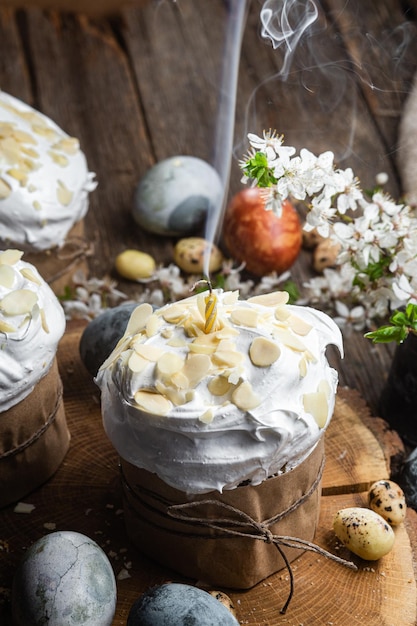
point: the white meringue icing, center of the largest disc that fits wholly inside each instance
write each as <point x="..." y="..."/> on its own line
<point x="267" y="360"/>
<point x="32" y="321"/>
<point x="44" y="179"/>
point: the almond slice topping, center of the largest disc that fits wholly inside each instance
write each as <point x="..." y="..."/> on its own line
<point x="244" y="316"/>
<point x="219" y="386"/>
<point x="298" y="325"/>
<point x="29" y="275"/>
<point x="316" y="404"/>
<point x="138" y="319"/>
<point x="169" y="364"/>
<point x="196" y="368"/>
<point x="263" y="352"/>
<point x="137" y="363"/>
<point x="5" y="189"/>
<point x="10" y="257"/>
<point x="245" y="398"/>
<point x="152" y="402"/>
<point x="270" y="299"/>
<point x="18" y="302"/>
<point x="7" y="276"/>
<point x="6" y="328"/>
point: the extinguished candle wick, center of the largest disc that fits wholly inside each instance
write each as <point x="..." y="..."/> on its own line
<point x="210" y="313"/>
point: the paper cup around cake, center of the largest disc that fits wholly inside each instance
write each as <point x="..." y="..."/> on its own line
<point x="232" y="418"/>
<point x="34" y="437"/>
<point x="44" y="190"/>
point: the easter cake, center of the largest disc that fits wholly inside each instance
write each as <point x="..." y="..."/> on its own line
<point x="44" y="182"/>
<point x="225" y="414"/>
<point x="34" y="435"/>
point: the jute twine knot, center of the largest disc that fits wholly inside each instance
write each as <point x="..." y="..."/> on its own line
<point x="235" y="522"/>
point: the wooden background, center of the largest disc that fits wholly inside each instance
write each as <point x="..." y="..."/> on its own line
<point x="138" y="82"/>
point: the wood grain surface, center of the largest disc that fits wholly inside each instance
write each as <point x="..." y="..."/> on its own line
<point x="138" y="82"/>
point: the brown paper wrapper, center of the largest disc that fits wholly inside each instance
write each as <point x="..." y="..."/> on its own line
<point x="284" y="505"/>
<point x="34" y="439"/>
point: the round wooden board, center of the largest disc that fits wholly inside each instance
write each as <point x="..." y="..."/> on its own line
<point x="85" y="496"/>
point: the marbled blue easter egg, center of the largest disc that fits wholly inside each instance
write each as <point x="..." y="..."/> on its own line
<point x="179" y="604"/>
<point x="174" y="197"/>
<point x="64" y="579"/>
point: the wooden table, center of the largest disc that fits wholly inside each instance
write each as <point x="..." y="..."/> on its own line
<point x="139" y="84"/>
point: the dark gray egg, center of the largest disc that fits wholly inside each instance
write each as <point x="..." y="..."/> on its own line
<point x="64" y="579"/>
<point x="176" y="604"/>
<point x="102" y="334"/>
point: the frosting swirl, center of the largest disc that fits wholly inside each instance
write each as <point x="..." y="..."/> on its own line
<point x="32" y="321"/>
<point x="44" y="180"/>
<point x="209" y="410"/>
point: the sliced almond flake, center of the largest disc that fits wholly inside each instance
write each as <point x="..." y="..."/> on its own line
<point x="227" y="358"/>
<point x="263" y="352"/>
<point x="138" y="319"/>
<point x="23" y="137"/>
<point x="169" y="364"/>
<point x="270" y="299"/>
<point x="219" y="386"/>
<point x="59" y="159"/>
<point x="207" y="417"/>
<point x="137" y="363"/>
<point x="178" y="397"/>
<point x="176" y="342"/>
<point x="18" y="302"/>
<point x="153" y="403"/>
<point x="19" y="175"/>
<point x="193" y="328"/>
<point x="24" y="507"/>
<point x="10" y="257"/>
<point x="180" y="380"/>
<point x="316" y="404"/>
<point x="147" y="351"/>
<point x="44" y="321"/>
<point x="44" y="131"/>
<point x="167" y="333"/>
<point x="5" y="189"/>
<point x="245" y="398"/>
<point x="226" y="332"/>
<point x="204" y="344"/>
<point x="63" y="194"/>
<point x="298" y="325"/>
<point x="324" y="387"/>
<point x="230" y="297"/>
<point x="30" y="152"/>
<point x="6" y="328"/>
<point x="303" y="366"/>
<point x="233" y="375"/>
<point x="70" y="145"/>
<point x="196" y="368"/>
<point x="28" y="273"/>
<point x="245" y="316"/>
<point x="288" y="339"/>
<point x="152" y="325"/>
<point x="174" y="313"/>
<point x="282" y="313"/>
<point x="226" y="344"/>
<point x="7" y="276"/>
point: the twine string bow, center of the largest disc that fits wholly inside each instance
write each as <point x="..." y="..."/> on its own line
<point x="237" y="523"/>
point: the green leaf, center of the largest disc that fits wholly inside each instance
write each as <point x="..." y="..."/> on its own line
<point x="257" y="168"/>
<point x="386" y="334"/>
<point x="291" y="288"/>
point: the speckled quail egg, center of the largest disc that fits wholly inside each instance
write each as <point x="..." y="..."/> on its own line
<point x="387" y="498"/>
<point x="364" y="532"/>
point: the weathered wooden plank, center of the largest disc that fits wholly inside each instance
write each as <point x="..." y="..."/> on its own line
<point x="85" y="84"/>
<point x="14" y="73"/>
<point x="381" y="39"/>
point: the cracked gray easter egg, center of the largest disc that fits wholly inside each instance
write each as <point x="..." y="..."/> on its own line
<point x="179" y="604"/>
<point x="174" y="197"/>
<point x="64" y="579"/>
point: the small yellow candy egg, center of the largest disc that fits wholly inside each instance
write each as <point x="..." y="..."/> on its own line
<point x="189" y="255"/>
<point x="135" y="265"/>
<point x="387" y="498"/>
<point x="364" y="532"/>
